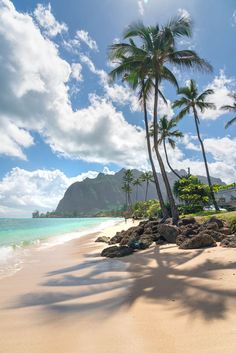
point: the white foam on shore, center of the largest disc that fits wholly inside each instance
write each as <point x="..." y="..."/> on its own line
<point x="12" y="257"/>
<point x="62" y="239"/>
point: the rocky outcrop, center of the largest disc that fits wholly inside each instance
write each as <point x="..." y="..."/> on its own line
<point x="117" y="251"/>
<point x="229" y="242"/>
<point x="202" y="240"/>
<point x="189" y="234"/>
<point x="103" y="239"/>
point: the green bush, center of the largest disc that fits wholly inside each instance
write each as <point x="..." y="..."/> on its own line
<point x="146" y="209"/>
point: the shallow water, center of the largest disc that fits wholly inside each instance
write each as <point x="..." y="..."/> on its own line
<point x="18" y="235"/>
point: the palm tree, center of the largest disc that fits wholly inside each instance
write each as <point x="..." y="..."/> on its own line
<point x="168" y="135"/>
<point x="191" y="100"/>
<point x="147" y="177"/>
<point x="137" y="182"/>
<point x="126" y="187"/>
<point x="231" y="108"/>
<point x="156" y="51"/>
<point x="133" y="71"/>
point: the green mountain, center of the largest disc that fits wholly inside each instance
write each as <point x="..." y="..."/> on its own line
<point x="91" y="196"/>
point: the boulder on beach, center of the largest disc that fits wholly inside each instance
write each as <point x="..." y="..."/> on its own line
<point x="202" y="240"/>
<point x="117" y="251"/>
<point x="168" y="232"/>
<point x="229" y="242"/>
<point x="103" y="239"/>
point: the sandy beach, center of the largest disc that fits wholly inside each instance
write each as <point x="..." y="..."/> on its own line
<point x="67" y="299"/>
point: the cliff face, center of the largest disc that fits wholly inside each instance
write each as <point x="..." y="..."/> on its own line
<point x="104" y="193"/>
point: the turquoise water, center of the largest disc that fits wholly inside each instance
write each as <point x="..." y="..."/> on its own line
<point x="23" y="231"/>
<point x="17" y="235"/>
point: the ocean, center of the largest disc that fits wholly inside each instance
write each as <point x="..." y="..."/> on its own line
<point x="19" y="235"/>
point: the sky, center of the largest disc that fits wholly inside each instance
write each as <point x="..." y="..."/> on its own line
<point x="62" y="120"/>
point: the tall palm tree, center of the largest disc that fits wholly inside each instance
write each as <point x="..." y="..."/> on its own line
<point x="147" y="177"/>
<point x="231" y="108"/>
<point x="137" y="183"/>
<point x="126" y="187"/>
<point x="133" y="70"/>
<point x="168" y="135"/>
<point x="191" y="100"/>
<point x="157" y="49"/>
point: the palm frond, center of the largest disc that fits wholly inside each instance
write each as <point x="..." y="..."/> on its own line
<point x="230" y="122"/>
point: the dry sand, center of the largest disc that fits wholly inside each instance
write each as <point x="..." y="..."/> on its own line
<point x="67" y="299"/>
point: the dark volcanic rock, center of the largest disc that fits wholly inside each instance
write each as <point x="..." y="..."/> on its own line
<point x="213" y="219"/>
<point x="102" y="239"/>
<point x="144" y="242"/>
<point x="117" y="251"/>
<point x="226" y="231"/>
<point x="180" y="239"/>
<point x="187" y="220"/>
<point x="201" y="240"/>
<point x="229" y="242"/>
<point x="168" y="232"/>
<point x="117" y="237"/>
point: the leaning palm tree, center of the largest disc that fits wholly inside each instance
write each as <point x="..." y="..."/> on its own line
<point x="168" y="134"/>
<point x="137" y="183"/>
<point x="231" y="108"/>
<point x="157" y="48"/>
<point x="133" y="70"/>
<point x="192" y="101"/>
<point x="147" y="177"/>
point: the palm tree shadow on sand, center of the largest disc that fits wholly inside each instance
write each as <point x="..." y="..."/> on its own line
<point x="108" y="285"/>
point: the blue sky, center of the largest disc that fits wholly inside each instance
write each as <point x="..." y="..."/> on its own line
<point x="61" y="120"/>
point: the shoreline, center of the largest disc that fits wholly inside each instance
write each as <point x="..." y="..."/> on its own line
<point x="69" y="299"/>
<point x="15" y="256"/>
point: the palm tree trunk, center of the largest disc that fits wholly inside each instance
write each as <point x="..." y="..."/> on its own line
<point x="146" y="191"/>
<point x="167" y="160"/>
<point x="136" y="193"/>
<point x="205" y="160"/>
<point x="174" y="210"/>
<point x="165" y="213"/>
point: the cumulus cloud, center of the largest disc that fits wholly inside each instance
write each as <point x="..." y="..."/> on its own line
<point x="77" y="71"/>
<point x="47" y="21"/>
<point x="22" y="191"/>
<point x="84" y="37"/>
<point x="141" y="7"/>
<point x="222" y="86"/>
<point x="35" y="97"/>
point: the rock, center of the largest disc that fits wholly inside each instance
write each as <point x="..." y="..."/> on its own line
<point x="144" y="242"/>
<point x="161" y="241"/>
<point x="229" y="242"/>
<point x="187" y="220"/>
<point x="226" y="231"/>
<point x="180" y="239"/>
<point x="117" y="238"/>
<point x="201" y="240"/>
<point x="117" y="251"/>
<point x="168" y="232"/>
<point x="212" y="226"/>
<point x="213" y="219"/>
<point x="168" y="221"/>
<point x="216" y="235"/>
<point x="102" y="239"/>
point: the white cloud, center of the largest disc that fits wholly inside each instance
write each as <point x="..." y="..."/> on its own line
<point x="22" y="191"/>
<point x="183" y="13"/>
<point x="222" y="86"/>
<point x="84" y="37"/>
<point x="35" y="97"/>
<point x="47" y="21"/>
<point x="141" y="7"/>
<point x="222" y="149"/>
<point x="77" y="71"/>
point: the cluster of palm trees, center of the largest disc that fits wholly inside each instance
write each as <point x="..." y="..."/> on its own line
<point x="145" y="60"/>
<point x="129" y="181"/>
